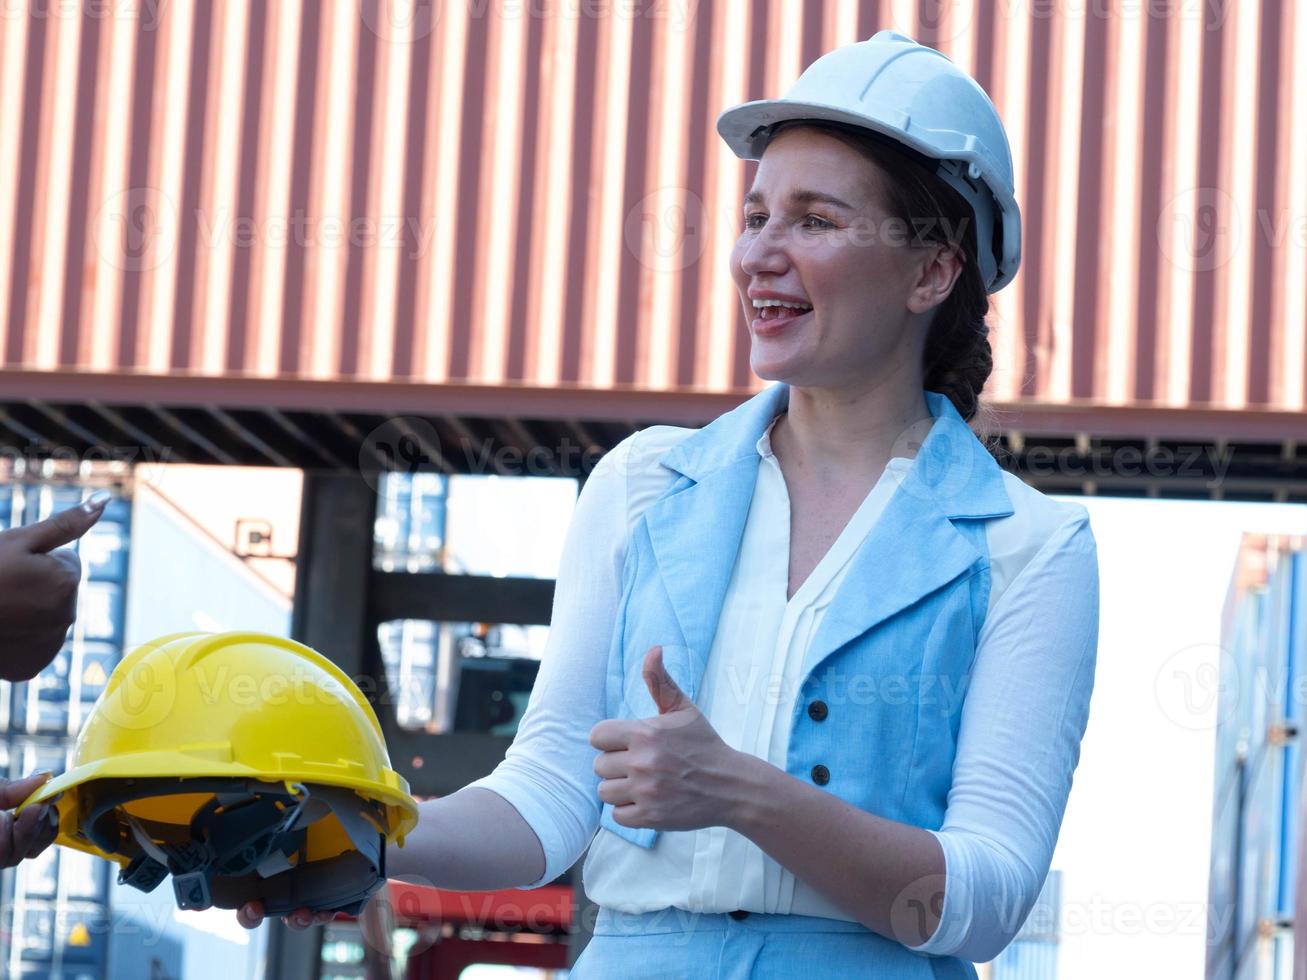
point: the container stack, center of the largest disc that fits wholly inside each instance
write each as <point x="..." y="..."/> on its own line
<point x="1258" y="816"/>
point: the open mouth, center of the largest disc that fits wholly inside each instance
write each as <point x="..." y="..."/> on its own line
<point x="772" y="320"/>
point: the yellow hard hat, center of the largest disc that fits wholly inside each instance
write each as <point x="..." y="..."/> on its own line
<point x="245" y="765"/>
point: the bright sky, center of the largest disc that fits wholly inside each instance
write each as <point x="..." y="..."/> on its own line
<point x="1135" y="843"/>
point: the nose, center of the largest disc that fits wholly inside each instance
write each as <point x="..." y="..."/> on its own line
<point x="764" y="252"/>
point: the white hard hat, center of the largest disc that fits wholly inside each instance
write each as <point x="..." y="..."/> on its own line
<point x="916" y="96"/>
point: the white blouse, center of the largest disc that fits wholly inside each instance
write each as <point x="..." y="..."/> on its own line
<point x="1029" y="687"/>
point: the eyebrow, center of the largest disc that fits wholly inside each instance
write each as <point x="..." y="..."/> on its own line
<point x="803" y="196"/>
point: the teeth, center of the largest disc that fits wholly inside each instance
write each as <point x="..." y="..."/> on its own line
<point x="759" y="304"/>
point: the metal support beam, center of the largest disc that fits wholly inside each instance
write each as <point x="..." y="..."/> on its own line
<point x="440" y="764"/>
<point x="330" y="613"/>
<point x="335" y="562"/>
<point x="437" y="765"/>
<point x="340" y="600"/>
<point x="460" y="598"/>
<point x="294" y="954"/>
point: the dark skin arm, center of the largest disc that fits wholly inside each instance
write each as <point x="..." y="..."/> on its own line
<point x="38" y="588"/>
<point x="32" y="831"/>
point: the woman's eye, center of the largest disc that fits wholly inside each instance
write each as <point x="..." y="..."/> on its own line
<point x="811" y="221"/>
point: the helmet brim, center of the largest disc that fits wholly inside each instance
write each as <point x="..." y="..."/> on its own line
<point x="401" y="808"/>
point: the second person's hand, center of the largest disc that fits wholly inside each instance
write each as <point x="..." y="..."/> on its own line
<point x="251" y="916"/>
<point x="32" y="831"/>
<point x="39" y="579"/>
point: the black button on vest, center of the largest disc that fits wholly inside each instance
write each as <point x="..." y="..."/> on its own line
<point x="817" y="711"/>
<point x="738" y="914"/>
<point x="820" y="775"/>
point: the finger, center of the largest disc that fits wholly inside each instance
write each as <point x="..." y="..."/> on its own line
<point x="626" y="816"/>
<point x="616" y="791"/>
<point x="69" y="559"/>
<point x="26" y="825"/>
<point x="65" y="526"/>
<point x="48" y="639"/>
<point x="611" y="765"/>
<point x="8" y="857"/>
<point x="301" y="918"/>
<point x="46" y="836"/>
<point x="322" y="918"/>
<point x="47" y="831"/>
<point x="29" y="652"/>
<point x="250" y="915"/>
<point x="68" y="580"/>
<point x="13" y="792"/>
<point x="662" y="688"/>
<point x="28" y="829"/>
<point x="611" y="735"/>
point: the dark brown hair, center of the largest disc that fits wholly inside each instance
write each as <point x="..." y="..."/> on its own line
<point x="957" y="359"/>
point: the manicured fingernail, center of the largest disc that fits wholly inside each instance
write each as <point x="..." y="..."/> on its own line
<point x="41" y="772"/>
<point x="96" y="501"/>
<point x="53" y="818"/>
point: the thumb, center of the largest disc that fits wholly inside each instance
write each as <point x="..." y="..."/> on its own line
<point x="662" y="688"/>
<point x="65" y="526"/>
<point x="13" y="792"/>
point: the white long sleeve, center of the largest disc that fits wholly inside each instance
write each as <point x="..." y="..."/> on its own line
<point x="1025" y="712"/>
<point x="548" y="771"/>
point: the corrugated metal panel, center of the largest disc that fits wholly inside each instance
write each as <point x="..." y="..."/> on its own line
<point x="534" y="191"/>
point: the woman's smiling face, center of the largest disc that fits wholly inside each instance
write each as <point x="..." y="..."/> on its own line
<point x="815" y="232"/>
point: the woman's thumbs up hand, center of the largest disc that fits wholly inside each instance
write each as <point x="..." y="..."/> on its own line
<point x="668" y="772"/>
<point x="662" y="688"/>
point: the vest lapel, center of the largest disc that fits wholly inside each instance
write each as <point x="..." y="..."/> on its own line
<point x="695" y="528"/>
<point x="696" y="535"/>
<point x="914" y="547"/>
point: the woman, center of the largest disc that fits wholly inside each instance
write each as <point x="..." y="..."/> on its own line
<point x="855" y="760"/>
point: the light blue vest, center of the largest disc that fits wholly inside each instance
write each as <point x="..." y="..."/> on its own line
<point x="892" y="656"/>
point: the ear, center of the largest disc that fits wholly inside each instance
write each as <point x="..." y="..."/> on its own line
<point x="939" y="267"/>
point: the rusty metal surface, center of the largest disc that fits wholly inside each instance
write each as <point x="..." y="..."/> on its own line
<point x="533" y="193"/>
